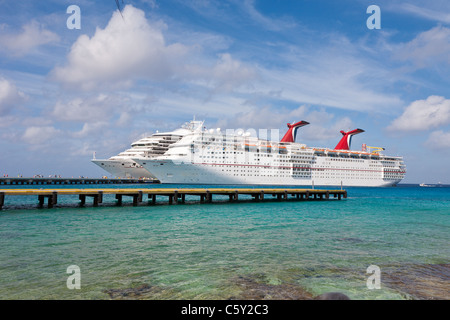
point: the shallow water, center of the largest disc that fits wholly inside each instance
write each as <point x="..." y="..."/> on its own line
<point x="240" y="250"/>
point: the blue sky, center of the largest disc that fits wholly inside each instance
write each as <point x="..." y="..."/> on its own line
<point x="65" y="93"/>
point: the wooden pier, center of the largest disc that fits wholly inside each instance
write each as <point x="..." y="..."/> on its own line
<point x="173" y="196"/>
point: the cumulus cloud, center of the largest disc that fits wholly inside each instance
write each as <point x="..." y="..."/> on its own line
<point x="96" y="108"/>
<point x="229" y="74"/>
<point x="126" y="49"/>
<point x="130" y="49"/>
<point x="438" y="140"/>
<point x="428" y="48"/>
<point x="91" y="129"/>
<point x="422" y="115"/>
<point x="39" y="135"/>
<point x="323" y="125"/>
<point x="33" y="35"/>
<point x="10" y="96"/>
<point x="259" y="118"/>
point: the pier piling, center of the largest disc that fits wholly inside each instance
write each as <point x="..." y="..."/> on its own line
<point x="2" y="199"/>
<point x="175" y="196"/>
<point x="52" y="199"/>
<point x="119" y="199"/>
<point x="208" y="196"/>
<point x="82" y="198"/>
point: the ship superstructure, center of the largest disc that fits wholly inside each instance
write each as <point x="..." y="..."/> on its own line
<point x="155" y="145"/>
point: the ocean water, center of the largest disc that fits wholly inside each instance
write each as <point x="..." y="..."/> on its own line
<point x="241" y="250"/>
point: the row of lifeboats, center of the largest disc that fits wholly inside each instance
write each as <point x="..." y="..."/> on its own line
<point x="346" y="152"/>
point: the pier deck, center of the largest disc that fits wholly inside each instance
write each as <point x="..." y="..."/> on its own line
<point x="175" y="195"/>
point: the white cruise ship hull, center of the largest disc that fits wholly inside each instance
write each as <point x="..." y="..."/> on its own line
<point x="125" y="168"/>
<point x="168" y="171"/>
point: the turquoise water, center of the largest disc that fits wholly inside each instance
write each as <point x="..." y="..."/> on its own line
<point x="243" y="250"/>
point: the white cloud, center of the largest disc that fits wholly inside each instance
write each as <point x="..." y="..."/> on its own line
<point x="439" y="140"/>
<point x="266" y="22"/>
<point x="422" y="115"/>
<point x="33" y="35"/>
<point x="334" y="80"/>
<point x="125" y="119"/>
<point x="91" y="129"/>
<point x="438" y="13"/>
<point x="429" y="48"/>
<point x="229" y="74"/>
<point x="90" y="109"/>
<point x="6" y="122"/>
<point x="151" y="3"/>
<point x="126" y="49"/>
<point x="323" y="125"/>
<point x="261" y="118"/>
<point x="130" y="49"/>
<point x="39" y="135"/>
<point x="10" y="96"/>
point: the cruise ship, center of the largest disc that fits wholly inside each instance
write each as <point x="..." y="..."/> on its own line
<point x="155" y="145"/>
<point x="211" y="157"/>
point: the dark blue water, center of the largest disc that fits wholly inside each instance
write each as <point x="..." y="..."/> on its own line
<point x="243" y="250"/>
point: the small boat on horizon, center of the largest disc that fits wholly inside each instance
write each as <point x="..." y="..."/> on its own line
<point x="439" y="184"/>
<point x="425" y="185"/>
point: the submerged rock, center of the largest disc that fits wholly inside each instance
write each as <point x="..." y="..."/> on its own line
<point x="140" y="292"/>
<point x="252" y="288"/>
<point x="332" y="296"/>
<point x="354" y="240"/>
<point x="419" y="281"/>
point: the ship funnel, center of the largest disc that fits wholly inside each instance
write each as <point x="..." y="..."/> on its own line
<point x="292" y="131"/>
<point x="346" y="140"/>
